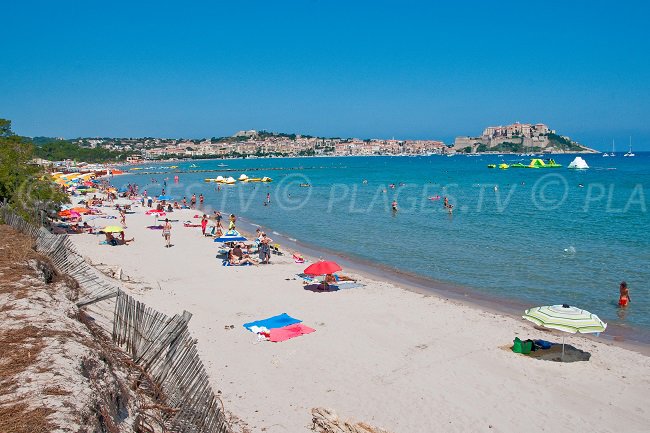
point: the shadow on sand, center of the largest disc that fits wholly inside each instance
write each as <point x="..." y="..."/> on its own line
<point x="571" y="354"/>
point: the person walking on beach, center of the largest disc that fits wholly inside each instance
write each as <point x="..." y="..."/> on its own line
<point x="123" y="218"/>
<point x="217" y="216"/>
<point x="265" y="248"/>
<point x="624" y="298"/>
<point x="193" y="201"/>
<point x="167" y="233"/>
<point x="204" y="223"/>
<point x="201" y="198"/>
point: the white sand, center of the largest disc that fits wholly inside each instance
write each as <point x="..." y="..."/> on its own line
<point x="380" y="354"/>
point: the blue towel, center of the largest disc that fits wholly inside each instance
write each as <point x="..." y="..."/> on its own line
<point x="543" y="344"/>
<point x="273" y="322"/>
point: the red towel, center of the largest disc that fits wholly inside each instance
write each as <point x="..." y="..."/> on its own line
<point x="290" y="331"/>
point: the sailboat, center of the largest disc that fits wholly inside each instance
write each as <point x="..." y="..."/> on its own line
<point x="612" y="154"/>
<point x="629" y="153"/>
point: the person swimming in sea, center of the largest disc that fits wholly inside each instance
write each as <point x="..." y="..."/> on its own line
<point x="394" y="205"/>
<point x="624" y="298"/>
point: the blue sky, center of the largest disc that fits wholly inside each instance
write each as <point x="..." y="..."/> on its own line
<point x="408" y="69"/>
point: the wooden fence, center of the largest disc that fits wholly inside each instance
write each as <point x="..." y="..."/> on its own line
<point x="160" y="344"/>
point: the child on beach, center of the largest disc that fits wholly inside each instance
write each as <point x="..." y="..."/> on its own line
<point x="204" y="223"/>
<point x="233" y="220"/>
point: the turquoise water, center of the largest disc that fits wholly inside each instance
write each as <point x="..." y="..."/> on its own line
<point x="539" y="238"/>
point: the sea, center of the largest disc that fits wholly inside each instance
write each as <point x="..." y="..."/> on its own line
<point x="517" y="237"/>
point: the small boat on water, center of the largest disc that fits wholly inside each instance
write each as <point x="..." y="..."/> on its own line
<point x="492" y="166"/>
<point x="629" y="153"/>
<point x="222" y="165"/>
<point x="193" y="166"/>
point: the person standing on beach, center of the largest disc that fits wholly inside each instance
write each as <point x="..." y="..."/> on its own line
<point x="217" y="216"/>
<point x="201" y="198"/>
<point x="167" y="233"/>
<point x="193" y="201"/>
<point x="265" y="248"/>
<point x="204" y="223"/>
<point x="233" y="220"/>
<point x="624" y="298"/>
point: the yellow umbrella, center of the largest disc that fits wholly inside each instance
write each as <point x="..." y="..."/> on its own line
<point x="112" y="229"/>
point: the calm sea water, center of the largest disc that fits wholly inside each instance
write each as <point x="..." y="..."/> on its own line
<point x="542" y="236"/>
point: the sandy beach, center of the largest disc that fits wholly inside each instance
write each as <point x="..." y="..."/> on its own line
<point x="390" y="357"/>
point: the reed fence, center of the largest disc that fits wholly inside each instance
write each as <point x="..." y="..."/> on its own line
<point x="160" y="344"/>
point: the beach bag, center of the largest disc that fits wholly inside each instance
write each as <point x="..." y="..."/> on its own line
<point x="523" y="347"/>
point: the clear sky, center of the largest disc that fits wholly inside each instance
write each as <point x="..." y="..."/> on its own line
<point x="367" y="69"/>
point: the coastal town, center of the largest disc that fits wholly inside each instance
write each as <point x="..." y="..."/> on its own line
<point x="514" y="138"/>
<point x="252" y="143"/>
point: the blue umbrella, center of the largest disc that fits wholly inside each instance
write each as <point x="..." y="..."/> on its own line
<point x="165" y="197"/>
<point x="231" y="236"/>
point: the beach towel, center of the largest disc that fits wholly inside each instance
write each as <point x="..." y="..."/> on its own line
<point x="155" y="227"/>
<point x="227" y="263"/>
<point x="348" y="285"/>
<point x="298" y="259"/>
<point x="274" y="322"/>
<point x="288" y="332"/>
<point x="191" y="225"/>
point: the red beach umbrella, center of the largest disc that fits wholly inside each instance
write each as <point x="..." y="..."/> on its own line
<point x="322" y="268"/>
<point x="153" y="211"/>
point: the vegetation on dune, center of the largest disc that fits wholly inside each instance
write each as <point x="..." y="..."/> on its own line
<point x="59" y="150"/>
<point x="24" y="186"/>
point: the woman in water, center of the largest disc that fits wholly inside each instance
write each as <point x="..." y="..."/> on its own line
<point x="624" y="297"/>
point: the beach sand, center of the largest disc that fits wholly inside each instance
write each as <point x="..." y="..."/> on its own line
<point x="392" y="358"/>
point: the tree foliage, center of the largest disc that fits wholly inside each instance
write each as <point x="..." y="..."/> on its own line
<point x="24" y="185"/>
<point x="60" y="150"/>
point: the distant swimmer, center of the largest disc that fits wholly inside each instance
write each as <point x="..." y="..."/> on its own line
<point x="580" y="185"/>
<point x="449" y="207"/>
<point x="392" y="186"/>
<point x="394" y="205"/>
<point x="496" y="187"/>
<point x="624" y="298"/>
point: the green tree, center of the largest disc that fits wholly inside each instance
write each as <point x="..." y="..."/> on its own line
<point x="24" y="185"/>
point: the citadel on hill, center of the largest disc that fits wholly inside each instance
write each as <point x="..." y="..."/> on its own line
<point x="519" y="138"/>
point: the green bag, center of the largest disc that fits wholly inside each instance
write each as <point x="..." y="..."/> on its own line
<point x="522" y="346"/>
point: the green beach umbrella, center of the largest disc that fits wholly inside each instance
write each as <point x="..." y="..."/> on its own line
<point x="565" y="318"/>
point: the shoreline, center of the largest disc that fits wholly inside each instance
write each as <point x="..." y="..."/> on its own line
<point x="442" y="361"/>
<point x="467" y="296"/>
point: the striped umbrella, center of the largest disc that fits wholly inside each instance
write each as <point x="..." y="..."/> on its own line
<point x="565" y="318"/>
